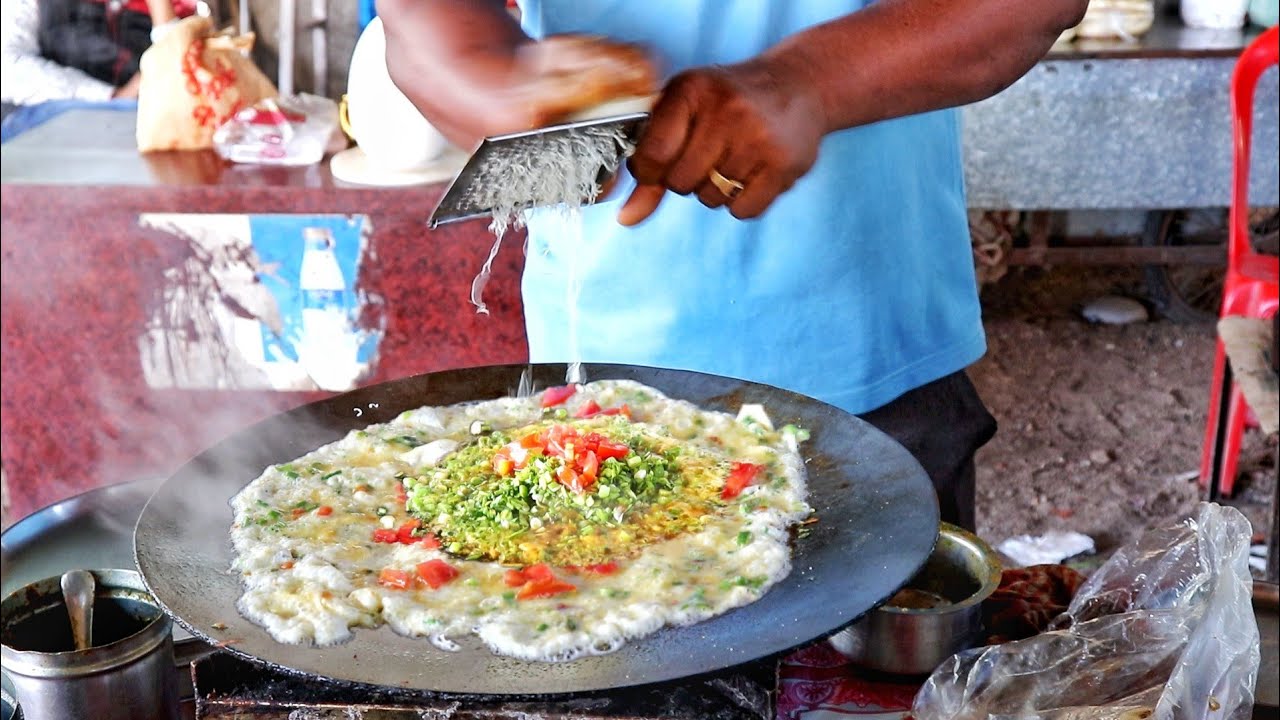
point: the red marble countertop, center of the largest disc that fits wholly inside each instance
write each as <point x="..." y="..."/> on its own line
<point x="80" y="278"/>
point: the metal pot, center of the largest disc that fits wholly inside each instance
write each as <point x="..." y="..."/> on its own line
<point x="126" y="675"/>
<point x="961" y="573"/>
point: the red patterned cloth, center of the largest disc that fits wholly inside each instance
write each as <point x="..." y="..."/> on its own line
<point x="818" y="678"/>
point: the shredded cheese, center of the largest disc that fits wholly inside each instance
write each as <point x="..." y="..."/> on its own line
<point x="560" y="170"/>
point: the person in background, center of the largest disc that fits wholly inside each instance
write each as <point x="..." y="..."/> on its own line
<point x="796" y="212"/>
<point x="57" y="53"/>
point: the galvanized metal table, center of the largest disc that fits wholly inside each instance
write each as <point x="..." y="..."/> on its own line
<point x="1119" y="126"/>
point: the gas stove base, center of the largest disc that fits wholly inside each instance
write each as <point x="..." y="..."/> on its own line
<point x="228" y="687"/>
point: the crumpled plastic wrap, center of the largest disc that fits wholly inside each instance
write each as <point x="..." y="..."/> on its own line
<point x="296" y="130"/>
<point x="1165" y="629"/>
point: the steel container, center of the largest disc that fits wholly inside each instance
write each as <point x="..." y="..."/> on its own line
<point x="127" y="673"/>
<point x="964" y="571"/>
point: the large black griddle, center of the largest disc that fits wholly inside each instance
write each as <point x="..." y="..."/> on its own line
<point x="878" y="519"/>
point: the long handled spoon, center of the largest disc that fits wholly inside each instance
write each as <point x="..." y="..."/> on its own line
<point x="78" y="587"/>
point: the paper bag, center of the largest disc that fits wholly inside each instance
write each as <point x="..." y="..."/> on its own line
<point x="192" y="81"/>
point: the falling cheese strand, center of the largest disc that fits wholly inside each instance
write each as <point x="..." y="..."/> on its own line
<point x="561" y="170"/>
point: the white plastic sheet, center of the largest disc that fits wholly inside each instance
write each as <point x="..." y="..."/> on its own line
<point x="1165" y="629"/>
<point x="295" y="130"/>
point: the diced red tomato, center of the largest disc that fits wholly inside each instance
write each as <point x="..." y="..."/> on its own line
<point x="385" y="535"/>
<point x="513" y="456"/>
<point x="623" y="410"/>
<point x="553" y="396"/>
<point x="395" y="578"/>
<point x="606" y="448"/>
<point x="539" y="573"/>
<point x="405" y="533"/>
<point x="324" y="511"/>
<point x="607" y="568"/>
<point x="559" y="434"/>
<point x="401" y="495"/>
<point x="740" y="476"/>
<point x="299" y="512"/>
<point x="589" y="408"/>
<point x="430" y="541"/>
<point x="569" y="478"/>
<point x="582" y="454"/>
<point x="536" y="581"/>
<point x="541" y="589"/>
<point x="286" y="565"/>
<point x="590" y="467"/>
<point x="436" y="573"/>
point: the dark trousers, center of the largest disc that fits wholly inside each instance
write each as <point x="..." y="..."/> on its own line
<point x="942" y="424"/>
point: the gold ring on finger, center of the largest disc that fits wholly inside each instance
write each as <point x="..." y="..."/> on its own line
<point x="729" y="188"/>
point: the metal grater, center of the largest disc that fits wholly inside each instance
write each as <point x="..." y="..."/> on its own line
<point x="500" y="156"/>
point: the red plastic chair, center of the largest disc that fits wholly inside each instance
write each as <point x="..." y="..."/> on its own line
<point x="1252" y="278"/>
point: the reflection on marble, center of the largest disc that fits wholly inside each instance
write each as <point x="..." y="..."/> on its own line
<point x="80" y="279"/>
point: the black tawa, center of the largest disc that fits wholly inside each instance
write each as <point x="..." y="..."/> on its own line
<point x="877" y="523"/>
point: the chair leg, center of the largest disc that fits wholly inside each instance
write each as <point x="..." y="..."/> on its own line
<point x="1211" y="450"/>
<point x="1233" y="436"/>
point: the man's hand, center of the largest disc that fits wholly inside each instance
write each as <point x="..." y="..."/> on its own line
<point x="758" y="123"/>
<point x="129" y="90"/>
<point x="564" y="74"/>
<point x="755" y="124"/>
<point x="469" y="68"/>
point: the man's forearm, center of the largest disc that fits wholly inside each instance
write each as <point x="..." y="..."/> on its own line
<point x="161" y="11"/>
<point x="900" y="57"/>
<point x="452" y="59"/>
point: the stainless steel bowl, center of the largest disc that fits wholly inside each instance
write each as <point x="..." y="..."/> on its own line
<point x="962" y="571"/>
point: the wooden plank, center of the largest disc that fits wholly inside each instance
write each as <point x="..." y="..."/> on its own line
<point x="1207" y="255"/>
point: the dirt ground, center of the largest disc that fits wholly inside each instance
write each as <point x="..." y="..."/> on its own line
<point x="1100" y="425"/>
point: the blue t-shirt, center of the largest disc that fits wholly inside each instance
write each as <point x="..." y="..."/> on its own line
<point x="856" y="285"/>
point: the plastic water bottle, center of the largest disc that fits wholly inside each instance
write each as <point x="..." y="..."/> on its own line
<point x="324" y="306"/>
<point x="327" y="347"/>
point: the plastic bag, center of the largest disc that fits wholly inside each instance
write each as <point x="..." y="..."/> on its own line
<point x="295" y="130"/>
<point x="1165" y="629"/>
<point x="192" y="81"/>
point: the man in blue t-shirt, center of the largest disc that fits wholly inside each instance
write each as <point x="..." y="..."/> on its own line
<point x="794" y="212"/>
